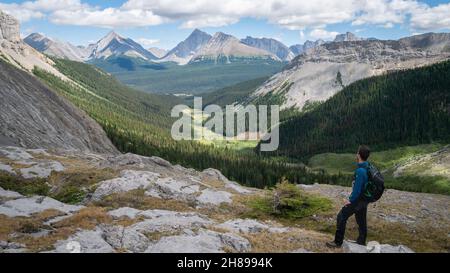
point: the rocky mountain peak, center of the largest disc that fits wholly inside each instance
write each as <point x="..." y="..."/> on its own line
<point x="271" y="45"/>
<point x="9" y="28"/>
<point x="347" y="37"/>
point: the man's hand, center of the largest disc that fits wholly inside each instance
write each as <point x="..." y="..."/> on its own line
<point x="347" y="203"/>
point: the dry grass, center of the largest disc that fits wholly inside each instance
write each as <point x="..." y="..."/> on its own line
<point x="266" y="242"/>
<point x="138" y="200"/>
<point x="86" y="219"/>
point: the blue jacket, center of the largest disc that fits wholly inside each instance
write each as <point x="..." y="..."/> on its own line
<point x="360" y="182"/>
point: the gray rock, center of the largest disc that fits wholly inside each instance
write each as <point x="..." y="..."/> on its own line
<point x="301" y="250"/>
<point x="9" y="28"/>
<point x="172" y="188"/>
<point x="11" y="247"/>
<point x="42" y="170"/>
<point x="203" y="242"/>
<point x="217" y="175"/>
<point x="250" y="226"/>
<point x="84" y="242"/>
<point x="124" y="212"/>
<point x="374" y="247"/>
<point x="129" y="180"/>
<point x="9" y="194"/>
<point x="212" y="197"/>
<point x="27" y="206"/>
<point x="163" y="221"/>
<point x="6" y="168"/>
<point x="125" y="238"/>
<point x="15" y="153"/>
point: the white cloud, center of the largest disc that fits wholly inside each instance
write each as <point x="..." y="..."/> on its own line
<point x="107" y="18"/>
<point x="290" y="14"/>
<point x="432" y="18"/>
<point x="323" y="34"/>
<point x="147" y="42"/>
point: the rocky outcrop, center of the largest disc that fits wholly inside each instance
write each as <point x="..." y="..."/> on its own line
<point x="347" y="37"/>
<point x="19" y="54"/>
<point x="33" y="116"/>
<point x="9" y="28"/>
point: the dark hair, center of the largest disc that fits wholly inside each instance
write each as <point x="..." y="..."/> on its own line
<point x="364" y="152"/>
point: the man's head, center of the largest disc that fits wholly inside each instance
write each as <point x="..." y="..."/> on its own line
<point x="363" y="153"/>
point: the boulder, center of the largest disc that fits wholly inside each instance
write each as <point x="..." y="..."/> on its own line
<point x="9" y="28"/>
<point x="6" y="168"/>
<point x="15" y="153"/>
<point x="129" y="180"/>
<point x="27" y="206"/>
<point x="124" y="212"/>
<point x="250" y="226"/>
<point x="125" y="238"/>
<point x="42" y="170"/>
<point x="166" y="221"/>
<point x="374" y="247"/>
<point x="213" y="197"/>
<point x="203" y="242"/>
<point x="85" y="241"/>
<point x="9" y="194"/>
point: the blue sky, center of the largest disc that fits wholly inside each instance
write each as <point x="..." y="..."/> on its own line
<point x="164" y="23"/>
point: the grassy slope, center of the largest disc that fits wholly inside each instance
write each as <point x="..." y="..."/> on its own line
<point x="192" y="78"/>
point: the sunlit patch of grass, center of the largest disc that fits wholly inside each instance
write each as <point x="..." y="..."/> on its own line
<point x="28" y="187"/>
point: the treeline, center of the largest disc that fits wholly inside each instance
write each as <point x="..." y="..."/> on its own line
<point x="139" y="123"/>
<point x="401" y="108"/>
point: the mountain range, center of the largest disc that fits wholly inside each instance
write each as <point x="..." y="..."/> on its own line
<point x="197" y="46"/>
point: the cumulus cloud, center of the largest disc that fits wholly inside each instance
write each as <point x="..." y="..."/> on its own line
<point x="107" y="18"/>
<point x="291" y="14"/>
<point x="323" y="34"/>
<point x="432" y="18"/>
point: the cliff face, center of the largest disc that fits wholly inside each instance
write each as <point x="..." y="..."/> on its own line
<point x="33" y="116"/>
<point x="9" y="28"/>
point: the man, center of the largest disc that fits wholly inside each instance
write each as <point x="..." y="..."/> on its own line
<point x="356" y="205"/>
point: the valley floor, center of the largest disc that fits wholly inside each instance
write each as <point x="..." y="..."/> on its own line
<point x="64" y="201"/>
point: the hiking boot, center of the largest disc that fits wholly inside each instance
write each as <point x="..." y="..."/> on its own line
<point x="333" y="245"/>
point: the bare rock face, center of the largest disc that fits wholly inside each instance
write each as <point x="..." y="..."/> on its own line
<point x="33" y="116"/>
<point x="9" y="28"/>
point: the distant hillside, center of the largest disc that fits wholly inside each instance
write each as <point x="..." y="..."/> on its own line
<point x="402" y="108"/>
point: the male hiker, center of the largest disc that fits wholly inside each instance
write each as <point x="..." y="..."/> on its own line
<point x="356" y="205"/>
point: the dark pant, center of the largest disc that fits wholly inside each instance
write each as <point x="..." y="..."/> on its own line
<point x="360" y="211"/>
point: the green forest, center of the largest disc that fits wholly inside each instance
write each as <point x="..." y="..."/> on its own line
<point x="397" y="109"/>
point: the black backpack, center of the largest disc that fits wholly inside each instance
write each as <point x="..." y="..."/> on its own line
<point x="375" y="186"/>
